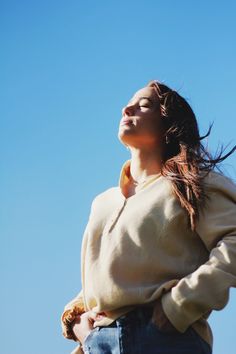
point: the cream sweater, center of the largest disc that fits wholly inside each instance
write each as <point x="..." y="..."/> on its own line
<point x="138" y="249"/>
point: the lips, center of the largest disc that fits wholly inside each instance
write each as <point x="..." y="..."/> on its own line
<point x="126" y="121"/>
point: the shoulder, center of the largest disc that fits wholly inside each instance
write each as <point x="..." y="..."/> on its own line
<point x="104" y="196"/>
<point x="216" y="182"/>
<point x="217" y="217"/>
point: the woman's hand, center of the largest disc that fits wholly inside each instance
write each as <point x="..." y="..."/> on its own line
<point x="160" y="319"/>
<point x="83" y="325"/>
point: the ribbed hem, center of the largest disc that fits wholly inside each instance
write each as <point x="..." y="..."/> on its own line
<point x="175" y="313"/>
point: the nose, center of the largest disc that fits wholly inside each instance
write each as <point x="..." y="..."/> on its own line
<point x="127" y="111"/>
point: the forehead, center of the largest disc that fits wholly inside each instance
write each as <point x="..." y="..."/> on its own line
<point x="148" y="92"/>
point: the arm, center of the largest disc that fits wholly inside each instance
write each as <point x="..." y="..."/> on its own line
<point x="75" y="320"/>
<point x="207" y="288"/>
<point x="76" y="307"/>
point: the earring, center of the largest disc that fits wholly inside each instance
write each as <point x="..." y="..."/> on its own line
<point x="167" y="140"/>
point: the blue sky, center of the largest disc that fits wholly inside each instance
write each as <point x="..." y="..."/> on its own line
<point x="67" y="69"/>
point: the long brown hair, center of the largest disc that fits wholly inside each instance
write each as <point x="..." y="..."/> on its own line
<point x="186" y="161"/>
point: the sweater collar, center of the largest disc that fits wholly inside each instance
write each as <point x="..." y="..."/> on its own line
<point x="124" y="174"/>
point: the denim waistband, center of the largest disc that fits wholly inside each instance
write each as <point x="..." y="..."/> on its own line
<point x="140" y="313"/>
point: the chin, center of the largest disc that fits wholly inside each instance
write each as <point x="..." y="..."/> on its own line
<point x="124" y="137"/>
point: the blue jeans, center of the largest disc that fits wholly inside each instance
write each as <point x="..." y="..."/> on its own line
<point x="135" y="333"/>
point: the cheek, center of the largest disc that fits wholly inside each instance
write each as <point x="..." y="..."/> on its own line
<point x="154" y="129"/>
<point x="153" y="124"/>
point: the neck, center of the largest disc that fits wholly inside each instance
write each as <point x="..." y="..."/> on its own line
<point x="144" y="163"/>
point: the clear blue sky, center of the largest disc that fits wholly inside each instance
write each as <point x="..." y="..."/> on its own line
<point x="66" y="70"/>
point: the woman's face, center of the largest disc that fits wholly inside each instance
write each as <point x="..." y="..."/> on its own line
<point x="140" y="125"/>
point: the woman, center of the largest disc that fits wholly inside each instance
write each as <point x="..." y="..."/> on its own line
<point x="159" y="250"/>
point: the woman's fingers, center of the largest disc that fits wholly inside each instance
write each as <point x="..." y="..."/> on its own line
<point x="82" y="326"/>
<point x="96" y="316"/>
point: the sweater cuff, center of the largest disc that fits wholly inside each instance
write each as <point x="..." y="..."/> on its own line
<point x="175" y="313"/>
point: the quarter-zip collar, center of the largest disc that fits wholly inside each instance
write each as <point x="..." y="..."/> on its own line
<point x="125" y="177"/>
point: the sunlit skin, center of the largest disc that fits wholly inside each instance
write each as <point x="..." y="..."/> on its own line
<point x="140" y="125"/>
<point x="140" y="130"/>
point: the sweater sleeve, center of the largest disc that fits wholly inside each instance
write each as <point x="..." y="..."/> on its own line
<point x="76" y="301"/>
<point x="207" y="288"/>
<point x="76" y="306"/>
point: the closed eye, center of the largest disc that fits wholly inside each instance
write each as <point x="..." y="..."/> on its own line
<point x="144" y="106"/>
<point x="144" y="103"/>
